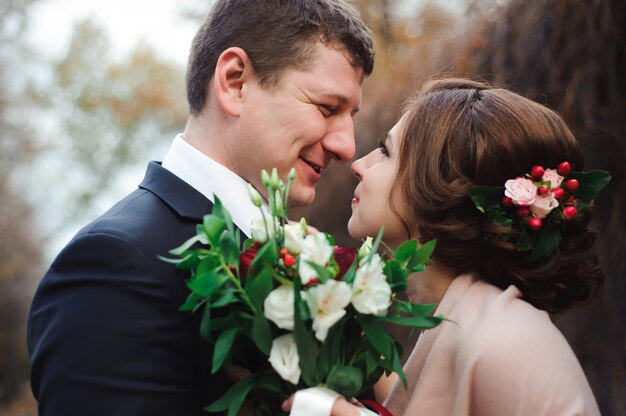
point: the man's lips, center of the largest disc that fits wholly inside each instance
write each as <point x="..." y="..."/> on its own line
<point x="317" y="168"/>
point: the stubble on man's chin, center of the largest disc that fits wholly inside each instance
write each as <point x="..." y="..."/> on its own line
<point x="301" y="199"/>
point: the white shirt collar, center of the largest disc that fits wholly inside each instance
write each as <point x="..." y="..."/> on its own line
<point x="211" y="178"/>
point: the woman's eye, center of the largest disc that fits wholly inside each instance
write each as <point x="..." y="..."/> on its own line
<point x="383" y="147"/>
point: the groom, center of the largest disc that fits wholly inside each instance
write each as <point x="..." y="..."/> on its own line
<point x="270" y="84"/>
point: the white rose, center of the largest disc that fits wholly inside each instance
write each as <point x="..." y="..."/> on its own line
<point x="543" y="205"/>
<point x="551" y="175"/>
<point x="278" y="307"/>
<point x="316" y="249"/>
<point x="294" y="237"/>
<point x="262" y="230"/>
<point x="371" y="293"/>
<point x="284" y="358"/>
<point x="327" y="303"/>
<point x="521" y="190"/>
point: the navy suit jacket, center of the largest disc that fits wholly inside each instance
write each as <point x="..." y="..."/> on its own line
<point x="105" y="335"/>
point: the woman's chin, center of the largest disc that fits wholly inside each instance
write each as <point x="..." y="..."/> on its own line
<point x="353" y="229"/>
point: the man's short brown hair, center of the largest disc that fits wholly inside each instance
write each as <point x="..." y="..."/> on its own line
<point x="277" y="35"/>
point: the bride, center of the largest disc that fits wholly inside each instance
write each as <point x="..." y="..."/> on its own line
<point x="498" y="352"/>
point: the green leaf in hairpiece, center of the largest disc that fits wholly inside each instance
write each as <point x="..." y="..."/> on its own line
<point x="486" y="198"/>
<point x="548" y="240"/>
<point x="590" y="184"/>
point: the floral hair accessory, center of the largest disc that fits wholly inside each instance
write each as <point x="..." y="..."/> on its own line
<point x="539" y="204"/>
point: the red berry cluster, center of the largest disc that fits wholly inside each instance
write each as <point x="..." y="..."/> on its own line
<point x="288" y="259"/>
<point x="564" y="195"/>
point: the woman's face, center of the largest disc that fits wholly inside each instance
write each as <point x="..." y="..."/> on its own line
<point x="371" y="207"/>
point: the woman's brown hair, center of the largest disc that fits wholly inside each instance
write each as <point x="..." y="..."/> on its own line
<point x="460" y="133"/>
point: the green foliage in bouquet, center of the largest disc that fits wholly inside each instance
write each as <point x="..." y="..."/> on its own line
<point x="317" y="313"/>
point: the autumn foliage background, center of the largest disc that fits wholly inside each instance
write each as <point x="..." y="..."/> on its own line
<point x="72" y="128"/>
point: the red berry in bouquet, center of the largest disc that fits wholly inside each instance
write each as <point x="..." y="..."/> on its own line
<point x="543" y="190"/>
<point x="313" y="282"/>
<point x="289" y="260"/>
<point x="564" y="169"/>
<point x="535" y="224"/>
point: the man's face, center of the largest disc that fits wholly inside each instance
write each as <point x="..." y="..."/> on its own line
<point x="304" y="122"/>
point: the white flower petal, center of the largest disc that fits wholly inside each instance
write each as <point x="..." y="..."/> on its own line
<point x="262" y="230"/>
<point x="371" y="294"/>
<point x="284" y="358"/>
<point x="327" y="303"/>
<point x="294" y="238"/>
<point x="278" y="307"/>
<point x="316" y="249"/>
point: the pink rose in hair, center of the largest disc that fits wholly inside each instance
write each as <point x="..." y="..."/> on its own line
<point x="522" y="191"/>
<point x="543" y="205"/>
<point x="553" y="177"/>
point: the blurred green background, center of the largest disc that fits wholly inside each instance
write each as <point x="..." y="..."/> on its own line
<point x="79" y="121"/>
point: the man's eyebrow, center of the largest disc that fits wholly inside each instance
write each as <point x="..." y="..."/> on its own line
<point x="342" y="99"/>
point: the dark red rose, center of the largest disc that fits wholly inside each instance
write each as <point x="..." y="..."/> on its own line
<point x="245" y="259"/>
<point x="344" y="256"/>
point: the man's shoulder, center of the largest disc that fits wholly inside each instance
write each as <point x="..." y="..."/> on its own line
<point x="143" y="220"/>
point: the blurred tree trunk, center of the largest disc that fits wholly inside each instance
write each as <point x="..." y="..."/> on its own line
<point x="20" y="255"/>
<point x="20" y="262"/>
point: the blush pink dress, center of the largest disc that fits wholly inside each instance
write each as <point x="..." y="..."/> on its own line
<point x="496" y="355"/>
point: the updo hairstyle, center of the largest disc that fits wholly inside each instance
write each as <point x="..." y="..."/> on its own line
<point x="460" y="133"/>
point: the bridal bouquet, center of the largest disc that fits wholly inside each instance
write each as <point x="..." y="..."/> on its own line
<point x="304" y="311"/>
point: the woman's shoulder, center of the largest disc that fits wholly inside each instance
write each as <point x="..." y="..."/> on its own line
<point x="513" y="350"/>
<point x="484" y="309"/>
<point x="500" y="320"/>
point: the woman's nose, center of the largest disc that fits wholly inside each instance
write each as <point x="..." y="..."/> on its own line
<point x="360" y="166"/>
<point x="357" y="168"/>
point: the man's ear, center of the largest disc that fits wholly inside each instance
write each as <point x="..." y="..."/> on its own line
<point x="232" y="71"/>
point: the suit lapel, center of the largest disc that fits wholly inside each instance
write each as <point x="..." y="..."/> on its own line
<point x="176" y="193"/>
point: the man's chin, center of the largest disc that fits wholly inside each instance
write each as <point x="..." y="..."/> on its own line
<point x="301" y="197"/>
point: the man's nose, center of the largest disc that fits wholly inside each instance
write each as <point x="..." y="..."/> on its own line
<point x="339" y="141"/>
